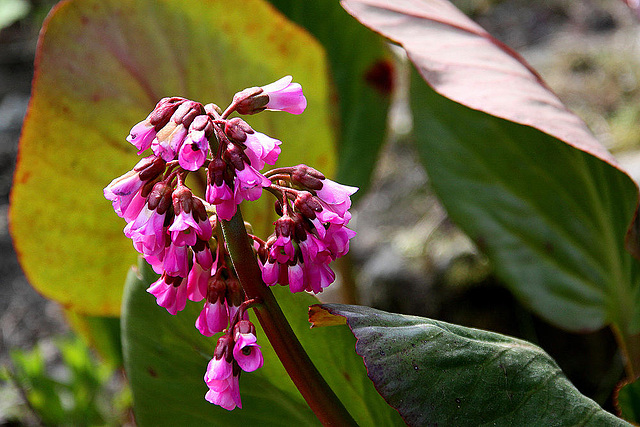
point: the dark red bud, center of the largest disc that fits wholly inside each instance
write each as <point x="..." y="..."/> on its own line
<point x="163" y="111"/>
<point x="251" y="100"/>
<point x="300" y="231"/>
<point x="235" y="295"/>
<point x="199" y="211"/>
<point x="236" y="129"/>
<point x="160" y="197"/>
<point x="153" y="169"/>
<point x="187" y="112"/>
<point x="181" y="198"/>
<point x="216" y="171"/>
<point x="307" y="205"/>
<point x="307" y="177"/>
<point x="284" y="226"/>
<point x="223" y="348"/>
<point x="244" y="327"/>
<point x="235" y="156"/>
<point x="216" y="289"/>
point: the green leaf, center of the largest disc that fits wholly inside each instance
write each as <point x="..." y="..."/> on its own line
<point x="550" y="217"/>
<point x="435" y="373"/>
<point x="362" y="74"/>
<point x="100" y="68"/>
<point x="627" y="401"/>
<point x="516" y="170"/>
<point x="166" y="358"/>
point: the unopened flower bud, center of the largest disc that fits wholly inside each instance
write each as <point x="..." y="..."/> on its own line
<point x="163" y="111"/>
<point x="160" y="197"/>
<point x="152" y="168"/>
<point x="237" y="129"/>
<point x="307" y="205"/>
<point x="187" y="112"/>
<point x="236" y="156"/>
<point x="212" y="110"/>
<point x="307" y="177"/>
<point x="251" y="100"/>
<point x="244" y="327"/>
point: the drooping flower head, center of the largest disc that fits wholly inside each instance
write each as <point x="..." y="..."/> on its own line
<point x="179" y="233"/>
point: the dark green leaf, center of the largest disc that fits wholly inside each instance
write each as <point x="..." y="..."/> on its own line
<point x="435" y="373"/>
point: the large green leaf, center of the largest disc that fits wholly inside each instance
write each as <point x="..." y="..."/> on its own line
<point x="100" y="68"/>
<point x="166" y="357"/>
<point x="515" y="169"/>
<point x="436" y="373"/>
<point x="363" y="77"/>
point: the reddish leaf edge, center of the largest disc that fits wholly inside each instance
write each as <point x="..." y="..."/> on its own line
<point x="632" y="236"/>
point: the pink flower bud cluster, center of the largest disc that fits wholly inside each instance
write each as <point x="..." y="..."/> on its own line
<point x="312" y="231"/>
<point x="178" y="233"/>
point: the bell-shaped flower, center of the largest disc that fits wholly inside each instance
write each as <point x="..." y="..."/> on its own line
<point x="141" y="135"/>
<point x="224" y="387"/>
<point x="262" y="149"/>
<point x="336" y="196"/>
<point x="170" y="293"/>
<point x="213" y="318"/>
<point x="245" y="350"/>
<point x="248" y="184"/>
<point x="285" y="96"/>
<point x="194" y="150"/>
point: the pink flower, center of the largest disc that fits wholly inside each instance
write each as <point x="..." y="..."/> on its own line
<point x="191" y="224"/>
<point x="141" y="135"/>
<point x="123" y="190"/>
<point x="270" y="272"/>
<point x="170" y="293"/>
<point x="147" y="231"/>
<point x="295" y="275"/>
<point x="337" y="240"/>
<point x="200" y="273"/>
<point x="285" y="96"/>
<point x="194" y="150"/>
<point x="213" y="318"/>
<point x="262" y="149"/>
<point x="176" y="261"/>
<point x="224" y="387"/>
<point x="245" y="351"/>
<point x="248" y="184"/>
<point x="336" y="196"/>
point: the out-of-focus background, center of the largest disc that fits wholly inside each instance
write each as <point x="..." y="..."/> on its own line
<point x="412" y="260"/>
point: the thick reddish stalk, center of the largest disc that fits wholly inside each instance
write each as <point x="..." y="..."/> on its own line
<point x="315" y="390"/>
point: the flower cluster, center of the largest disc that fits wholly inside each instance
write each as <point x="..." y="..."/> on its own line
<point x="311" y="231"/>
<point x="179" y="234"/>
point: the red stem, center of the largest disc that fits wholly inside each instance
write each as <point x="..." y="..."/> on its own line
<point x="315" y="390"/>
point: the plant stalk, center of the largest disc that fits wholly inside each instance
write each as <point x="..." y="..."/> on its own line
<point x="313" y="387"/>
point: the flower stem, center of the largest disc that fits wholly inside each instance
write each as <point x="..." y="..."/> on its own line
<point x="315" y="390"/>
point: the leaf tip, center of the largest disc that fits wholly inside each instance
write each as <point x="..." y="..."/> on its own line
<point x="320" y="316"/>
